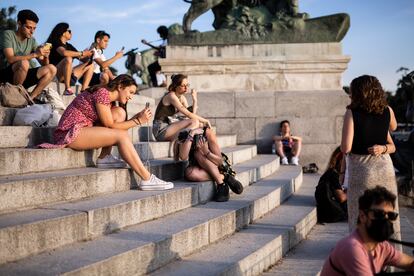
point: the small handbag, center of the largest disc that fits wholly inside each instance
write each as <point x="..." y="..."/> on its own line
<point x="225" y="168"/>
<point x="14" y="95"/>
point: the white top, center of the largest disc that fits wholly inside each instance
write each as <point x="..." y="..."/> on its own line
<point x="97" y="53"/>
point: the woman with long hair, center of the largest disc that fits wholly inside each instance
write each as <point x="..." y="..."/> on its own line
<point x="329" y="194"/>
<point x="204" y="163"/>
<point x="367" y="143"/>
<point x="92" y="121"/>
<point x="166" y="124"/>
<point x="62" y="55"/>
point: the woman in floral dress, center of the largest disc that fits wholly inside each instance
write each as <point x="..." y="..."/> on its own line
<point x="91" y="122"/>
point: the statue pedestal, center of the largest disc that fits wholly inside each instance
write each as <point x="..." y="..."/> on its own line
<point x="257" y="86"/>
<point x="259" y="67"/>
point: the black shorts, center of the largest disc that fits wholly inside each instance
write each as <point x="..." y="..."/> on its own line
<point x="96" y="79"/>
<point x="31" y="78"/>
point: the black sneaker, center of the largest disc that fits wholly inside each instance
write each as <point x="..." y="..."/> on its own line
<point x="234" y="184"/>
<point x="222" y="193"/>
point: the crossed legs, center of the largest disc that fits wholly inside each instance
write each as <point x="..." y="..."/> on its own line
<point x="65" y="70"/>
<point x="173" y="129"/>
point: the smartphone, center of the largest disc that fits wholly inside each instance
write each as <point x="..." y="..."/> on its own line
<point x="47" y="46"/>
<point x="147" y="105"/>
<point x="123" y="48"/>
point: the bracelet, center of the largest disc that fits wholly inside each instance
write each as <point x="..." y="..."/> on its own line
<point x="386" y="149"/>
<point x="136" y="121"/>
<point x="190" y="138"/>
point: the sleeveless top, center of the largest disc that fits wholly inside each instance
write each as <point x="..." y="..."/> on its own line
<point x="369" y="129"/>
<point x="163" y="111"/>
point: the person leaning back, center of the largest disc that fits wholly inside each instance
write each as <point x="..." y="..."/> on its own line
<point x="17" y="51"/>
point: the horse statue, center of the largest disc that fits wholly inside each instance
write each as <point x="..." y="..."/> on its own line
<point x="221" y="9"/>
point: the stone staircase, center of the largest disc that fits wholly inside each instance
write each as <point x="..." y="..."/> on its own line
<point x="59" y="215"/>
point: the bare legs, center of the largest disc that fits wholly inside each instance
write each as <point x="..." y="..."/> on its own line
<point x="65" y="70"/>
<point x="296" y="148"/>
<point x="100" y="137"/>
<point x="175" y="128"/>
<point x="105" y="138"/>
<point x="44" y="74"/>
<point x="207" y="170"/>
<point x="119" y="115"/>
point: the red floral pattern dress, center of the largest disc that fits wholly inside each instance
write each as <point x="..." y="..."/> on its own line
<point x="79" y="114"/>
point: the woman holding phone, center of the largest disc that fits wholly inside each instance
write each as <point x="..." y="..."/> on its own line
<point x="167" y="124"/>
<point x="92" y="121"/>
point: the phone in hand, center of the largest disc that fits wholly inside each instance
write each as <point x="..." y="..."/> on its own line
<point x="123" y="48"/>
<point x="147" y="105"/>
<point x="47" y="46"/>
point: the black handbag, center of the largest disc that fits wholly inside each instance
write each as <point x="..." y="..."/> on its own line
<point x="225" y="168"/>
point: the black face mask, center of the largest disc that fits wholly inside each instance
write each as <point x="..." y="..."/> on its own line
<point x="380" y="229"/>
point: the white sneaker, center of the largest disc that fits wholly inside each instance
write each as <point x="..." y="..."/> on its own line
<point x="294" y="161"/>
<point x="110" y="161"/>
<point x="155" y="184"/>
<point x="285" y="161"/>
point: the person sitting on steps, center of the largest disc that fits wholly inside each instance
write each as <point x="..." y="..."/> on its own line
<point x="101" y="72"/>
<point x="166" y="125"/>
<point x="155" y="67"/>
<point x="17" y="51"/>
<point x="204" y="162"/>
<point x="287" y="145"/>
<point x="62" y="55"/>
<point x="91" y="121"/>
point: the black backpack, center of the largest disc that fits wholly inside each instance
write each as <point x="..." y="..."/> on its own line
<point x="328" y="209"/>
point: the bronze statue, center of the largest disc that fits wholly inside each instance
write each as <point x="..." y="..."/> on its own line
<point x="259" y="21"/>
<point x="221" y="8"/>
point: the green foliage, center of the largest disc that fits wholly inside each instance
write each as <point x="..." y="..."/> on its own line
<point x="7" y="22"/>
<point x="398" y="100"/>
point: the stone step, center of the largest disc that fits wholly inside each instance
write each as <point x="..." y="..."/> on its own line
<point x="23" y="160"/>
<point x="24" y="136"/>
<point x="142" y="248"/>
<point x="35" y="189"/>
<point x="7" y="115"/>
<point x="49" y="227"/>
<point x="308" y="257"/>
<point x="257" y="246"/>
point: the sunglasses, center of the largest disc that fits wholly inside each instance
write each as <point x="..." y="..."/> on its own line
<point x="185" y="85"/>
<point x="69" y="31"/>
<point x="381" y="214"/>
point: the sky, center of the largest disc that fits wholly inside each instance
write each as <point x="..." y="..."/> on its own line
<point x="379" y="41"/>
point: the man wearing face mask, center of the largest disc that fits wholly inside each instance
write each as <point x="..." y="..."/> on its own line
<point x="366" y="250"/>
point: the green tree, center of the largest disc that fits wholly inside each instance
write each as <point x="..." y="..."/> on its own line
<point x="398" y="100"/>
<point x="7" y="22"/>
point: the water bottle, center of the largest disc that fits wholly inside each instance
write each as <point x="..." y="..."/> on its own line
<point x="273" y="148"/>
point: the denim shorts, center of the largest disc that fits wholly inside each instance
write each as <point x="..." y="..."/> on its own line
<point x="159" y="128"/>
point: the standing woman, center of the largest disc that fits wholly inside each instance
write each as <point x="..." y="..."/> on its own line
<point x="367" y="143"/>
<point x="62" y="55"/>
<point x="91" y="121"/>
<point x="172" y="103"/>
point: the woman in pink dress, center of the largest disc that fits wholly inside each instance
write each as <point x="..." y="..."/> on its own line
<point x="92" y="122"/>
